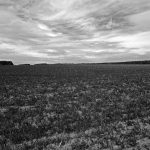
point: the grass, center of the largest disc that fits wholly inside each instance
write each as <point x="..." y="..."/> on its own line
<point x="75" y="107"/>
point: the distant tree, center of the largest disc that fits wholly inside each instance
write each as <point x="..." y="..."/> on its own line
<point x="6" y="63"/>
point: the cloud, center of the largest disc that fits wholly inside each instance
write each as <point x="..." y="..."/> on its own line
<point x="22" y="50"/>
<point x="141" y="21"/>
<point x="136" y="43"/>
<point x="74" y="30"/>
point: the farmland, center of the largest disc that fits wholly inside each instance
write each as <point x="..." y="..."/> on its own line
<point x="75" y="107"/>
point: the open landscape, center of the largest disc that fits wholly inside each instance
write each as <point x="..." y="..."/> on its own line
<point x="75" y="107"/>
<point x="74" y="74"/>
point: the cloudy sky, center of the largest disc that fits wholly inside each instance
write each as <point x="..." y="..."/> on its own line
<point x="74" y="31"/>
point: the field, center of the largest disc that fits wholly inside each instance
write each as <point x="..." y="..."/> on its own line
<point x="75" y="107"/>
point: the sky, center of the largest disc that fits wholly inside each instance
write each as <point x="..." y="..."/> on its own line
<point x="74" y="31"/>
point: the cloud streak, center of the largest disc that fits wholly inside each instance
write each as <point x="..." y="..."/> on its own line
<point x="55" y="31"/>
